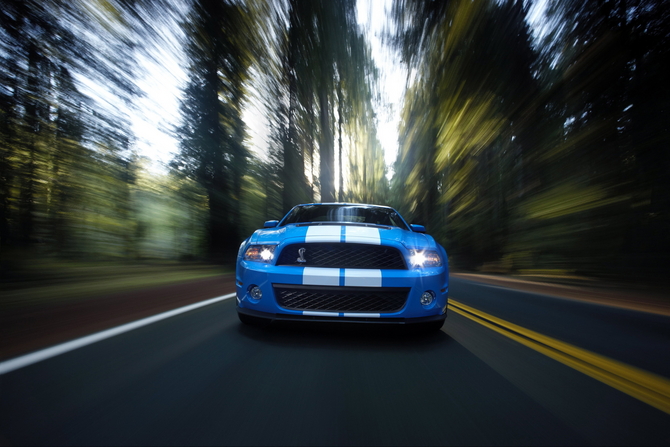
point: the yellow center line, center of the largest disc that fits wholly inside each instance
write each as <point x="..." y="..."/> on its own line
<point x="642" y="385"/>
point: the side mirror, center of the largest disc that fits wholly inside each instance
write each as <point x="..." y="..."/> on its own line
<point x="270" y="223"/>
<point x="418" y="228"/>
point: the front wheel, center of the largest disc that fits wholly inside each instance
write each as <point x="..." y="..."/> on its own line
<point x="433" y="326"/>
<point x="252" y="321"/>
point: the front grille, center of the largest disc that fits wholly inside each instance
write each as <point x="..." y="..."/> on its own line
<point x="341" y="299"/>
<point x="353" y="256"/>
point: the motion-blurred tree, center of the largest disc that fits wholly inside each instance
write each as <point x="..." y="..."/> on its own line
<point x="221" y="46"/>
<point x="324" y="95"/>
<point x="64" y="157"/>
<point x="607" y="165"/>
<point x="463" y="117"/>
<point x="544" y="154"/>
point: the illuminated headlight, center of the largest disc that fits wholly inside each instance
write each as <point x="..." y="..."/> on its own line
<point x="260" y="253"/>
<point x="424" y="258"/>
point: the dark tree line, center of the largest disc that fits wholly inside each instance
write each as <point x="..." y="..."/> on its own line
<point x="72" y="183"/>
<point x="520" y="147"/>
<point x="312" y="67"/>
<point x="51" y="136"/>
<point x="525" y="154"/>
<point x="323" y="122"/>
<point x="220" y="47"/>
<point x="68" y="171"/>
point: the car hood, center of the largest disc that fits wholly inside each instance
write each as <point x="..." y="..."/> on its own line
<point x="360" y="234"/>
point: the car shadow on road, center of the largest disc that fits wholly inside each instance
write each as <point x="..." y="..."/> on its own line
<point x="345" y="336"/>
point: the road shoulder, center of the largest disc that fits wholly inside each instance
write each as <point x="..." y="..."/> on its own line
<point x="29" y="328"/>
<point x="34" y="327"/>
<point x="650" y="301"/>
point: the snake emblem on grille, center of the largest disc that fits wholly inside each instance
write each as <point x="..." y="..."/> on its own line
<point x="301" y="255"/>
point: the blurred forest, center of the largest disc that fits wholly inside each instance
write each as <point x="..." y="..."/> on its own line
<point x="548" y="153"/>
<point x="522" y="148"/>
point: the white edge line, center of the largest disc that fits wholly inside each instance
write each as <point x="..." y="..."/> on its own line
<point x="38" y="356"/>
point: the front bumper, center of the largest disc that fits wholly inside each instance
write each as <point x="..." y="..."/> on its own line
<point x="324" y="319"/>
<point x="417" y="281"/>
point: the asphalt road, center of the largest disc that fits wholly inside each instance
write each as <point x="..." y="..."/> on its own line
<point x="203" y="378"/>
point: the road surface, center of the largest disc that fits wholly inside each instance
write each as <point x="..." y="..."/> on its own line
<point x="201" y="377"/>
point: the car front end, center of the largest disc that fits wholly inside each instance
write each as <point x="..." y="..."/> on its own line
<point x="342" y="271"/>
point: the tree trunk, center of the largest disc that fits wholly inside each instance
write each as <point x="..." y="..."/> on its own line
<point x="28" y="183"/>
<point x="326" y="150"/>
<point x="339" y="126"/>
<point x="288" y="174"/>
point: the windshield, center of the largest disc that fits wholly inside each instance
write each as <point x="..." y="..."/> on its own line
<point x="345" y="213"/>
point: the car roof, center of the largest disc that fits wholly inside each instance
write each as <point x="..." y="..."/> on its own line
<point x="345" y="203"/>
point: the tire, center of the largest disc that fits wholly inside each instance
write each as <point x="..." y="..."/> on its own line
<point x="433" y="326"/>
<point x="252" y="321"/>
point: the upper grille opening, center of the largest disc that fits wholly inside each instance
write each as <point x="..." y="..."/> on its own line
<point x="342" y="255"/>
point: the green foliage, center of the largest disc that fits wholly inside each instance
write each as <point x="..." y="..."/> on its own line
<point x="539" y="155"/>
<point x="516" y="153"/>
<point x="321" y="100"/>
<point x="68" y="174"/>
<point x="170" y="212"/>
<point x="221" y="47"/>
<point x="461" y="121"/>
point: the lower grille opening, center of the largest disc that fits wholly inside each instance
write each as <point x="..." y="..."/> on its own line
<point x="341" y="299"/>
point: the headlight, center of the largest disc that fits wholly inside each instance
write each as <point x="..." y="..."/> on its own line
<point x="424" y="258"/>
<point x="260" y="253"/>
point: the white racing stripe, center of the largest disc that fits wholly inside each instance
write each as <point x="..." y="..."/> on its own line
<point x="320" y="314"/>
<point x="323" y="233"/>
<point x="362" y="278"/>
<point x="44" y="354"/>
<point x="315" y="276"/>
<point x="362" y="235"/>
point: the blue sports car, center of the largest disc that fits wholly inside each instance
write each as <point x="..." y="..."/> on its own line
<point x="342" y="262"/>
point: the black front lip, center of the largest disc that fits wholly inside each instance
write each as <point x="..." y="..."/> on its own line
<point x="315" y="318"/>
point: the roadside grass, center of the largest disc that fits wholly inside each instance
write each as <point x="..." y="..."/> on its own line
<point x="49" y="281"/>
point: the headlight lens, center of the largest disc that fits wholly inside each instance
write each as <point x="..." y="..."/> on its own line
<point x="424" y="258"/>
<point x="260" y="253"/>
